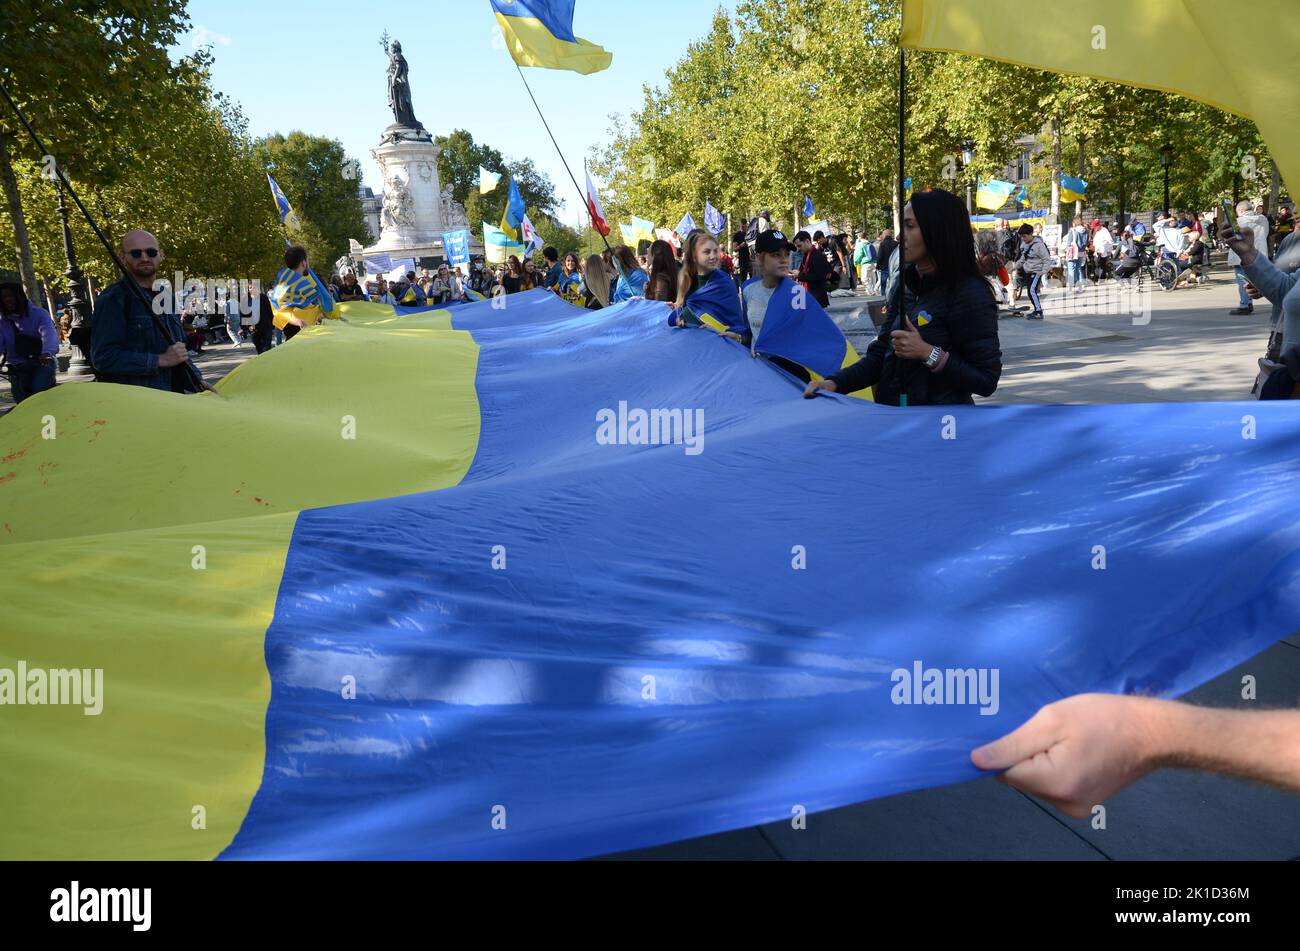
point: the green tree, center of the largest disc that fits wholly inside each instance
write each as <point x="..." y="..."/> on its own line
<point x="458" y="166"/>
<point x="202" y="193"/>
<point x="321" y="184"/>
<point x="89" y="76"/>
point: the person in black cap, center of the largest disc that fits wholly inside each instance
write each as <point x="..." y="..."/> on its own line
<point x="773" y="267"/>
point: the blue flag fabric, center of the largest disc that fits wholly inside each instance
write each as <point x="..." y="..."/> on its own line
<point x="1073" y="189"/>
<point x="808" y="210"/>
<point x="686" y="226"/>
<point x="713" y="219"/>
<point x="769" y="690"/>
<point x="515" y="211"/>
<point x="716" y="305"/>
<point x="797" y="328"/>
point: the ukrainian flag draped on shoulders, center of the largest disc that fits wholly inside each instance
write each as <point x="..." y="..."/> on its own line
<point x="714" y="304"/>
<point x="540" y="33"/>
<point x="300" y="295"/>
<point x="797" y="328"/>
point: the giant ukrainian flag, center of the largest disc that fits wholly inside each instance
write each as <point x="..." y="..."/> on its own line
<point x="408" y="575"/>
<point x="1119" y="40"/>
<point x="540" y="33"/>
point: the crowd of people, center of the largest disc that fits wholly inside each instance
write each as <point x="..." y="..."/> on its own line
<point x="1011" y="264"/>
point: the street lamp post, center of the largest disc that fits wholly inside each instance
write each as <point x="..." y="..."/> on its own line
<point x="967" y="157"/>
<point x="79" y="333"/>
<point x="1166" y="159"/>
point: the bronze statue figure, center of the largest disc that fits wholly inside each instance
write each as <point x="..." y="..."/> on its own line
<point x="399" y="89"/>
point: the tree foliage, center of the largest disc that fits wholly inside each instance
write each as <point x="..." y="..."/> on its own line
<point x="321" y="183"/>
<point x="792" y="97"/>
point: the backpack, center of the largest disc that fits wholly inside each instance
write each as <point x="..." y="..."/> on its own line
<point x="1080" y="239"/>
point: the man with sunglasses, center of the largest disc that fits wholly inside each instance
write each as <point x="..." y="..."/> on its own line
<point x="127" y="345"/>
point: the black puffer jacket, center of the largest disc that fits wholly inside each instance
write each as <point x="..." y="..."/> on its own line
<point x="962" y="320"/>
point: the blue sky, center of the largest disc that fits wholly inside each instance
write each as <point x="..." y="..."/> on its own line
<point x="461" y="75"/>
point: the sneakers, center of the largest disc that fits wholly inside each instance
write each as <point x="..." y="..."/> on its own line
<point x="1241" y="312"/>
<point x="1034" y="316"/>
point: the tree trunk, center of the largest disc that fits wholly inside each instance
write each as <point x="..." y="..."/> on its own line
<point x="1056" y="170"/>
<point x="1078" y="205"/>
<point x="1275" y="187"/>
<point x="26" y="270"/>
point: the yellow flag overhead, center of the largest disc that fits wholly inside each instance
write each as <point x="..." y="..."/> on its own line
<point x="1195" y="48"/>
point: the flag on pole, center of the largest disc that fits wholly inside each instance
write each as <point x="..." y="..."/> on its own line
<point x="1210" y="66"/>
<point x="513" y="216"/>
<point x="593" y="208"/>
<point x="540" y="33"/>
<point x="993" y="194"/>
<point x="667" y="234"/>
<point x="498" y="246"/>
<point x="808" y="210"/>
<point x="528" y="234"/>
<point x="487" y="181"/>
<point x="907" y="189"/>
<point x="1073" y="189"/>
<point x="686" y="226"/>
<point x="287" y="216"/>
<point x="643" y="228"/>
<point x="1022" y="197"/>
<point x="713" y="219"/>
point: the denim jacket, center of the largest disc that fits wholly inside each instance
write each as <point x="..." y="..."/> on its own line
<point x="126" y="341"/>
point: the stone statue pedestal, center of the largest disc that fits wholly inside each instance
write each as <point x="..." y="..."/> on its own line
<point x="412" y="215"/>
<point x="416" y="210"/>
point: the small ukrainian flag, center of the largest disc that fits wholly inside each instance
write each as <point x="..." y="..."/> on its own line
<point x="540" y="33"/>
<point x="287" y="217"/>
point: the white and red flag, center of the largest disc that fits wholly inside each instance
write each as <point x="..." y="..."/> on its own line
<point x="593" y="208"/>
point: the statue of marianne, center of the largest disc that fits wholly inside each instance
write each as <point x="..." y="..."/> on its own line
<point x="399" y="89"/>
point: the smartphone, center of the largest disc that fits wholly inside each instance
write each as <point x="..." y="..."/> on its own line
<point x="1230" y="214"/>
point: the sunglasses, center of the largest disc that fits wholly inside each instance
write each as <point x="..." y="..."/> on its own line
<point x="138" y="253"/>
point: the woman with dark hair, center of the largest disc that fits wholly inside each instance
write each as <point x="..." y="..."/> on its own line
<point x="662" y="284"/>
<point x="512" y="282"/>
<point x="631" y="279"/>
<point x="945" y="347"/>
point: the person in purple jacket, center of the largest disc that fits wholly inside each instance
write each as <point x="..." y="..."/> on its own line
<point x="28" y="341"/>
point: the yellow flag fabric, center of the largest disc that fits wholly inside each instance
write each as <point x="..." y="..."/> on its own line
<point x="1189" y="47"/>
<point x="196" y="507"/>
<point x="531" y="43"/>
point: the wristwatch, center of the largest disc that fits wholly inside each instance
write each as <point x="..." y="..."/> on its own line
<point x="932" y="360"/>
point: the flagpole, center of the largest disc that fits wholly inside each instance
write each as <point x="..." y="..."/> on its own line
<point x="897" y="308"/>
<point x="581" y="190"/>
<point x="591" y="248"/>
